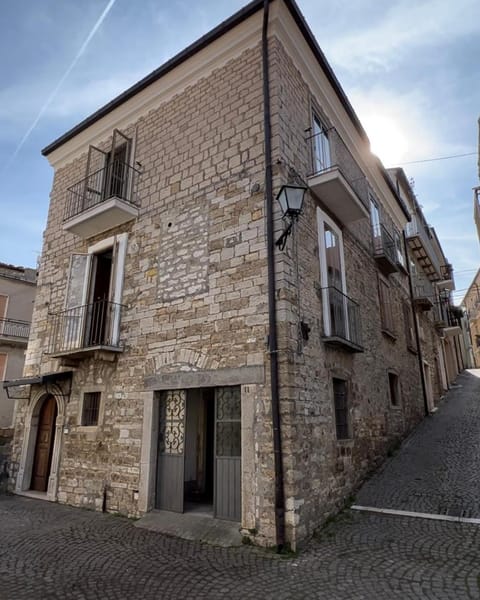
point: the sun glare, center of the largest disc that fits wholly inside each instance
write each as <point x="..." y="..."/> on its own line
<point x="386" y="139"/>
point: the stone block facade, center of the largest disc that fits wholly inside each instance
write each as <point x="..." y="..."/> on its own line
<point x="193" y="285"/>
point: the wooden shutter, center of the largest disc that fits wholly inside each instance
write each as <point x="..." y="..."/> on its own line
<point x="3" y="366"/>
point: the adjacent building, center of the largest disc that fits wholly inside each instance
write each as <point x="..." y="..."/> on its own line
<point x="434" y="321"/>
<point x="192" y="343"/>
<point x="17" y="293"/>
<point x="471" y="303"/>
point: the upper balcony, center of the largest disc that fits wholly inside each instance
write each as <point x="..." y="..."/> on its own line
<point x="85" y="330"/>
<point x="341" y="321"/>
<point x="446" y="282"/>
<point x="419" y="240"/>
<point x="102" y="200"/>
<point x="336" y="177"/>
<point x="384" y="249"/>
<point x="423" y="293"/>
<point x="14" y="332"/>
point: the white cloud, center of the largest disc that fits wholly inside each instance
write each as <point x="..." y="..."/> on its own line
<point x="405" y="28"/>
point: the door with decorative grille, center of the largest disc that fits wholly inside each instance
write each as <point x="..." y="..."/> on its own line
<point x="228" y="470"/>
<point x="171" y="451"/>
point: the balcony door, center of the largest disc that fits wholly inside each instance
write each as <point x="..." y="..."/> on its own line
<point x="93" y="297"/>
<point x="117" y="180"/>
<point x="332" y="276"/>
<point x="321" y="147"/>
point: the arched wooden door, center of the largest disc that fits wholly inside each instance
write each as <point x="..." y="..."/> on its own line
<point x="44" y="445"/>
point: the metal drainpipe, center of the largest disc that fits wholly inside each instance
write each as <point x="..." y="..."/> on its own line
<point x="272" y="319"/>
<point x="417" y="333"/>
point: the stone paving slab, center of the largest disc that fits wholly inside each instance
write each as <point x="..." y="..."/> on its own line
<point x="437" y="469"/>
<point x="53" y="552"/>
<point x="193" y="527"/>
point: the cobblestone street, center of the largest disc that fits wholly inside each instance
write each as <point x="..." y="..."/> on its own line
<point x="51" y="551"/>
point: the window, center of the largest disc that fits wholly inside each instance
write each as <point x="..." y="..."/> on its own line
<point x="90" y="408"/>
<point x="3" y="312"/>
<point x="409" y="325"/>
<point x="399" y="248"/>
<point x="332" y="274"/>
<point x="386" y="306"/>
<point x="341" y="408"/>
<point x="375" y="217"/>
<point x="94" y="293"/>
<point x="321" y="146"/>
<point x="3" y="306"/>
<point x="393" y="389"/>
<point x="3" y="366"/>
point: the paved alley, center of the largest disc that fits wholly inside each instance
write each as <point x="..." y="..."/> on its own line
<point x="437" y="469"/>
<point x="51" y="551"/>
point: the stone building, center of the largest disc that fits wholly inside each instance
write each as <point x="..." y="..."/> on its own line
<point x="17" y="293"/>
<point x="434" y="322"/>
<point x="471" y="303"/>
<point x="179" y="357"/>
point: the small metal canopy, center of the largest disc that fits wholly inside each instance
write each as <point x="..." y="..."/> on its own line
<point x="20" y="389"/>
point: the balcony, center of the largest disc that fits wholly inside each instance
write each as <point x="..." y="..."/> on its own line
<point x="419" y="240"/>
<point x="14" y="332"/>
<point x="446" y="282"/>
<point x="92" y="329"/>
<point x="423" y="293"/>
<point x="336" y="178"/>
<point x="103" y="200"/>
<point x="453" y="326"/>
<point x="341" y="321"/>
<point x="384" y="250"/>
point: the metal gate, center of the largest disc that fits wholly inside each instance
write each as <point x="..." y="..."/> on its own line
<point x="171" y="451"/>
<point x="227" y="478"/>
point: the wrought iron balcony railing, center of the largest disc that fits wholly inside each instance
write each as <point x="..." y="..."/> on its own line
<point x="342" y="318"/>
<point x="336" y="175"/>
<point x="423" y="292"/>
<point x="116" y="180"/>
<point x="94" y="325"/>
<point x="12" y="328"/>
<point x="384" y="248"/>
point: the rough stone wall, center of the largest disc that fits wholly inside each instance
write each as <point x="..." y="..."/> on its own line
<point x="6" y="436"/>
<point x="194" y="288"/>
<point x="320" y="471"/>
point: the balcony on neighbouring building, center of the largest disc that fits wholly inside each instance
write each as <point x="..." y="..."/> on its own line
<point x="85" y="330"/>
<point x="419" y="239"/>
<point x="14" y="332"/>
<point x="423" y="293"/>
<point x="384" y="250"/>
<point x="336" y="178"/>
<point x="341" y="321"/>
<point x="446" y="282"/>
<point x="102" y="200"/>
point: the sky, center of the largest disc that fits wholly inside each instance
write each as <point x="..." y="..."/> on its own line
<point x="409" y="67"/>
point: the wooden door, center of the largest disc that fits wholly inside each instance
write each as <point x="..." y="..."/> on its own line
<point x="44" y="445"/>
<point x="171" y="451"/>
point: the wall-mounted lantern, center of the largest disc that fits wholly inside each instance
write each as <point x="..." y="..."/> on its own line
<point x="290" y="198"/>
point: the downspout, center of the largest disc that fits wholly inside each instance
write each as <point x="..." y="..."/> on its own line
<point x="272" y="319"/>
<point x="417" y="332"/>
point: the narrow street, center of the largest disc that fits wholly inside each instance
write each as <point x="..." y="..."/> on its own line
<point x="51" y="551"/>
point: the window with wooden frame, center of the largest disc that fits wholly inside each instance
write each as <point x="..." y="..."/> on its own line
<point x="90" y="408"/>
<point x="394" y="389"/>
<point x="321" y="146"/>
<point x="386" y="307"/>
<point x="340" y="400"/>
<point x="3" y="366"/>
<point x="409" y="326"/>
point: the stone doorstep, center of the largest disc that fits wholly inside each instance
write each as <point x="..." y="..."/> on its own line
<point x="191" y="526"/>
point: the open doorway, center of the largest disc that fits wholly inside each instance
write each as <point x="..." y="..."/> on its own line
<point x="199" y="452"/>
<point x="199" y="449"/>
